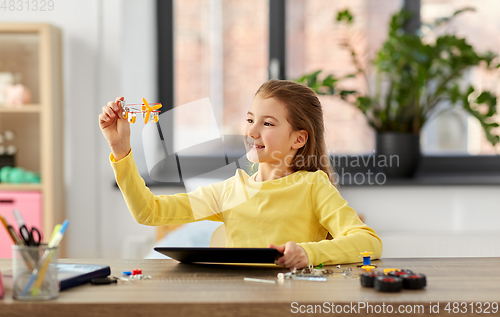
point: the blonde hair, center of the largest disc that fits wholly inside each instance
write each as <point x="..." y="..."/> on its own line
<point x="304" y="112"/>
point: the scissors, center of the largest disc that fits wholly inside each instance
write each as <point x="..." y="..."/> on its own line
<point x="31" y="237"/>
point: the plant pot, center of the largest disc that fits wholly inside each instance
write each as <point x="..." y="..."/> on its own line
<point x="397" y="154"/>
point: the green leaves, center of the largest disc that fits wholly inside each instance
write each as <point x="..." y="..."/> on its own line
<point x="414" y="77"/>
<point x="444" y="20"/>
<point x="345" y="16"/>
<point x="489" y="101"/>
<point x="321" y="87"/>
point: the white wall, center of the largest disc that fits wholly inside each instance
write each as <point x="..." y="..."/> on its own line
<point x="109" y="51"/>
<point x="431" y="220"/>
<point x="135" y="43"/>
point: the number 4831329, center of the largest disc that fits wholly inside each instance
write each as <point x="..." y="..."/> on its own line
<point x="27" y="5"/>
<point x="472" y="307"/>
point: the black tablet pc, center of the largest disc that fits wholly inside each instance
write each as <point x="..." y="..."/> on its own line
<point x="221" y="255"/>
<point x="71" y="275"/>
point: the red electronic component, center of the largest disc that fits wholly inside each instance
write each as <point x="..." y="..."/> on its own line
<point x="136" y="272"/>
<point x="388" y="283"/>
<point x="414" y="281"/>
<point x="400" y="273"/>
<point x="394" y="281"/>
<point x="368" y="278"/>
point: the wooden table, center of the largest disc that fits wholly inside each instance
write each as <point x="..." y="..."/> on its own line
<point x="214" y="290"/>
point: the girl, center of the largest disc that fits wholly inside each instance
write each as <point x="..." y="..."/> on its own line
<point x="290" y="203"/>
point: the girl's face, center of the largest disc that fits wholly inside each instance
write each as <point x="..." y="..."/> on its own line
<point x="268" y="135"/>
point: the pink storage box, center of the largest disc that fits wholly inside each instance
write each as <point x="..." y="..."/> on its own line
<point x="29" y="203"/>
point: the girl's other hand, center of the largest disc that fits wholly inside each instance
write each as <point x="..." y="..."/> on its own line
<point x="115" y="128"/>
<point x="294" y="256"/>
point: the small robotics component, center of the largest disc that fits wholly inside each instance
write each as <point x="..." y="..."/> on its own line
<point x="386" y="271"/>
<point x="148" y="111"/>
<point x="400" y="273"/>
<point x="135" y="274"/>
<point x="393" y="280"/>
<point x="367" y="262"/>
<point x="347" y="272"/>
<point x="387" y="283"/>
<point x="368" y="268"/>
<point x="309" y="273"/>
<point x="367" y="279"/>
<point x="414" y="281"/>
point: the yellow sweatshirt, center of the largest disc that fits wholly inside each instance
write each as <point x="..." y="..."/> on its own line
<point x="301" y="207"/>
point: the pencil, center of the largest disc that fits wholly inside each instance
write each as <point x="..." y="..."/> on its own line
<point x="6" y="225"/>
<point x="30" y="262"/>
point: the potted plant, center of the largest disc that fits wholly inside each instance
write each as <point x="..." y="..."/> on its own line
<point x="413" y="77"/>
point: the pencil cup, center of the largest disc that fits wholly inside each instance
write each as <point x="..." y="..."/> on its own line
<point x="34" y="270"/>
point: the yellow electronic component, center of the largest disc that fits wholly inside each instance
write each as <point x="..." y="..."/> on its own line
<point x="368" y="268"/>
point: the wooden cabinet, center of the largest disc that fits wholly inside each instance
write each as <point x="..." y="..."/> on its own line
<point x="33" y="53"/>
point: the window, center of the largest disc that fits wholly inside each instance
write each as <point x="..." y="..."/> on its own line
<point x="313" y="39"/>
<point x="454" y="132"/>
<point x="221" y="52"/>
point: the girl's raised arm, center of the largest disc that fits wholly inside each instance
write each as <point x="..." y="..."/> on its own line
<point x="146" y="208"/>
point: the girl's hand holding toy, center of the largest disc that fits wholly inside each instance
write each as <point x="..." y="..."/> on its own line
<point x="115" y="128"/>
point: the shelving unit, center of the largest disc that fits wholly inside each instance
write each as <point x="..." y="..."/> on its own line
<point x="25" y="109"/>
<point x="34" y="51"/>
<point x="23" y="187"/>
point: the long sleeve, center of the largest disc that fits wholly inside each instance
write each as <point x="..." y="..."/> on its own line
<point x="350" y="235"/>
<point x="148" y="209"/>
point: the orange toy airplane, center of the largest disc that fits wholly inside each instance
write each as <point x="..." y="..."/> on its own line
<point x="148" y="111"/>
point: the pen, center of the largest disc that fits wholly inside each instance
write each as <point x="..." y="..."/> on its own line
<point x="30" y="263"/>
<point x="39" y="280"/>
<point x="20" y="223"/>
<point x="57" y="228"/>
<point x="45" y="266"/>
<point x="47" y="256"/>
<point x="19" y="218"/>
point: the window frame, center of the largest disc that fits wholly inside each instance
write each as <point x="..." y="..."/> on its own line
<point x="433" y="170"/>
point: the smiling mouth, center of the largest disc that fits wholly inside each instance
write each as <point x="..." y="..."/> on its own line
<point x="256" y="146"/>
